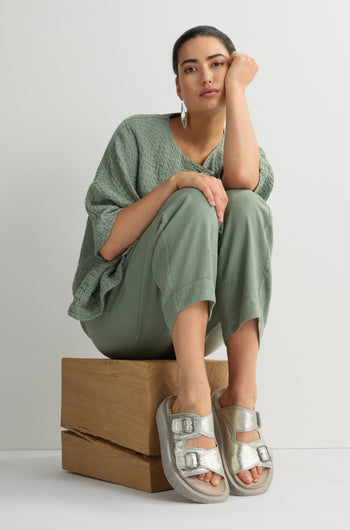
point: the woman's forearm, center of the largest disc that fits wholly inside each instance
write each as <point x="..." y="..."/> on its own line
<point x="241" y="151"/>
<point x="133" y="220"/>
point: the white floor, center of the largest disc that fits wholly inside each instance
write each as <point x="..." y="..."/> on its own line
<point x="310" y="490"/>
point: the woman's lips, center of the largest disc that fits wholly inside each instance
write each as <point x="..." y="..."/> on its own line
<point x="209" y="94"/>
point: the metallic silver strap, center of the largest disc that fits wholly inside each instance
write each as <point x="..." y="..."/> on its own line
<point x="244" y="455"/>
<point x="188" y="423"/>
<point x="247" y="455"/>
<point x="194" y="460"/>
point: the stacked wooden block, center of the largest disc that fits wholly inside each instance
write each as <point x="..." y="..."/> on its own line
<point x="109" y="410"/>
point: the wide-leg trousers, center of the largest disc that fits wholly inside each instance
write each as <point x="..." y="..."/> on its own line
<point x="184" y="256"/>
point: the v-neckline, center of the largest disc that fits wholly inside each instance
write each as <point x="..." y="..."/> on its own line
<point x="178" y="148"/>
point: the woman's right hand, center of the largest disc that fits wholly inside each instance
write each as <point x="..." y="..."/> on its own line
<point x="211" y="187"/>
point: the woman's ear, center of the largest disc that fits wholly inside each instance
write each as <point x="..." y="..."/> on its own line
<point x="178" y="89"/>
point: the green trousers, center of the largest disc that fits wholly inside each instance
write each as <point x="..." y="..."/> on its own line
<point x="185" y="255"/>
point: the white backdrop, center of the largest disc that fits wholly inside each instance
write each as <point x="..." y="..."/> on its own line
<point x="71" y="70"/>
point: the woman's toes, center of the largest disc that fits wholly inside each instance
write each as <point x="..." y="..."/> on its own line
<point x="201" y="477"/>
<point x="260" y="470"/>
<point x="255" y="474"/>
<point x="207" y="476"/>
<point x="215" y="479"/>
<point x="246" y="476"/>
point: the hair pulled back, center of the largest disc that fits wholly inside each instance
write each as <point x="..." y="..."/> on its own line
<point x="200" y="31"/>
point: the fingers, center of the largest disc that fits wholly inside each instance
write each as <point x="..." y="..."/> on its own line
<point x="242" y="70"/>
<point x="210" y="186"/>
<point x="236" y="56"/>
<point x="209" y="195"/>
<point x="215" y="192"/>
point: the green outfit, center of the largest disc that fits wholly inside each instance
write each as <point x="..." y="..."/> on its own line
<point x="128" y="305"/>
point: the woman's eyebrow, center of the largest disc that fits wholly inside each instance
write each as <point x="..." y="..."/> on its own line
<point x="208" y="59"/>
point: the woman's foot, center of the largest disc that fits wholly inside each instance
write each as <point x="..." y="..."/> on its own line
<point x="227" y="400"/>
<point x="201" y="407"/>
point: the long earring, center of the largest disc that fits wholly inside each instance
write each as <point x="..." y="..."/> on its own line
<point x="183" y="115"/>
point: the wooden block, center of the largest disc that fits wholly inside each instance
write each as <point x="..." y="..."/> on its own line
<point x="116" y="400"/>
<point x="97" y="458"/>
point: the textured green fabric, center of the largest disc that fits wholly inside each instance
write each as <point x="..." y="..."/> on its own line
<point x="184" y="256"/>
<point x="141" y="154"/>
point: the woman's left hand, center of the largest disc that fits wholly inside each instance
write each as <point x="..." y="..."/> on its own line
<point x="242" y="70"/>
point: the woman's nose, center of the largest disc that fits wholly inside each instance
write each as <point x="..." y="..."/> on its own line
<point x="206" y="75"/>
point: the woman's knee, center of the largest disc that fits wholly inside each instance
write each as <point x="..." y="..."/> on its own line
<point x="193" y="197"/>
<point x="244" y="203"/>
<point x="193" y="204"/>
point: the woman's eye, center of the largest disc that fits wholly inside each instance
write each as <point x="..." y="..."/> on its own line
<point x="193" y="68"/>
<point x="190" y="69"/>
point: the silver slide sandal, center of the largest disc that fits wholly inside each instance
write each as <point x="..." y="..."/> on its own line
<point x="181" y="462"/>
<point x="240" y="456"/>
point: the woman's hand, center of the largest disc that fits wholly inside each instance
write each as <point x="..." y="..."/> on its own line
<point x="211" y="187"/>
<point x="242" y="70"/>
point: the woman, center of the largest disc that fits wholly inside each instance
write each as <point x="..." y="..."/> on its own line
<point x="176" y="259"/>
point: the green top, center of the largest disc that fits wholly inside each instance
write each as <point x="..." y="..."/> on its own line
<point x="141" y="154"/>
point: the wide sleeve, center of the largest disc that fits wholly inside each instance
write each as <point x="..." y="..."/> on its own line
<point x="114" y="185"/>
<point x="266" y="176"/>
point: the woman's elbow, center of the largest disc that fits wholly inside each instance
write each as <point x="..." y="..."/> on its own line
<point x="110" y="251"/>
<point x="243" y="182"/>
<point x="106" y="253"/>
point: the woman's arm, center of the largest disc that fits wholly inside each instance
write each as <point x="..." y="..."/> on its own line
<point x="241" y="151"/>
<point x="133" y="220"/>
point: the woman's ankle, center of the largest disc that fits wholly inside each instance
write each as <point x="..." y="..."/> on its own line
<point x="244" y="397"/>
<point x="197" y="402"/>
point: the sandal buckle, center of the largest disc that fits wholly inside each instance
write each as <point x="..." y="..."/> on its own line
<point x="263" y="453"/>
<point x="183" y="425"/>
<point x="258" y="418"/>
<point x="188" y="425"/>
<point x="192" y="460"/>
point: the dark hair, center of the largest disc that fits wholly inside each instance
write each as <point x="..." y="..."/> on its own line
<point x="200" y="31"/>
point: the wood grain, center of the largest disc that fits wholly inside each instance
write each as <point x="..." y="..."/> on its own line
<point x="116" y="400"/>
<point x="97" y="458"/>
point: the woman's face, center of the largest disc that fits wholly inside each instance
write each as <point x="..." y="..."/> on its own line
<point x="202" y="64"/>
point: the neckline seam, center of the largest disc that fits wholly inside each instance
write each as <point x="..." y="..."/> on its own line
<point x="168" y="116"/>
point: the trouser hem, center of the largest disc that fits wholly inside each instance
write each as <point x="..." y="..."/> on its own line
<point x="197" y="291"/>
<point x="232" y="321"/>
